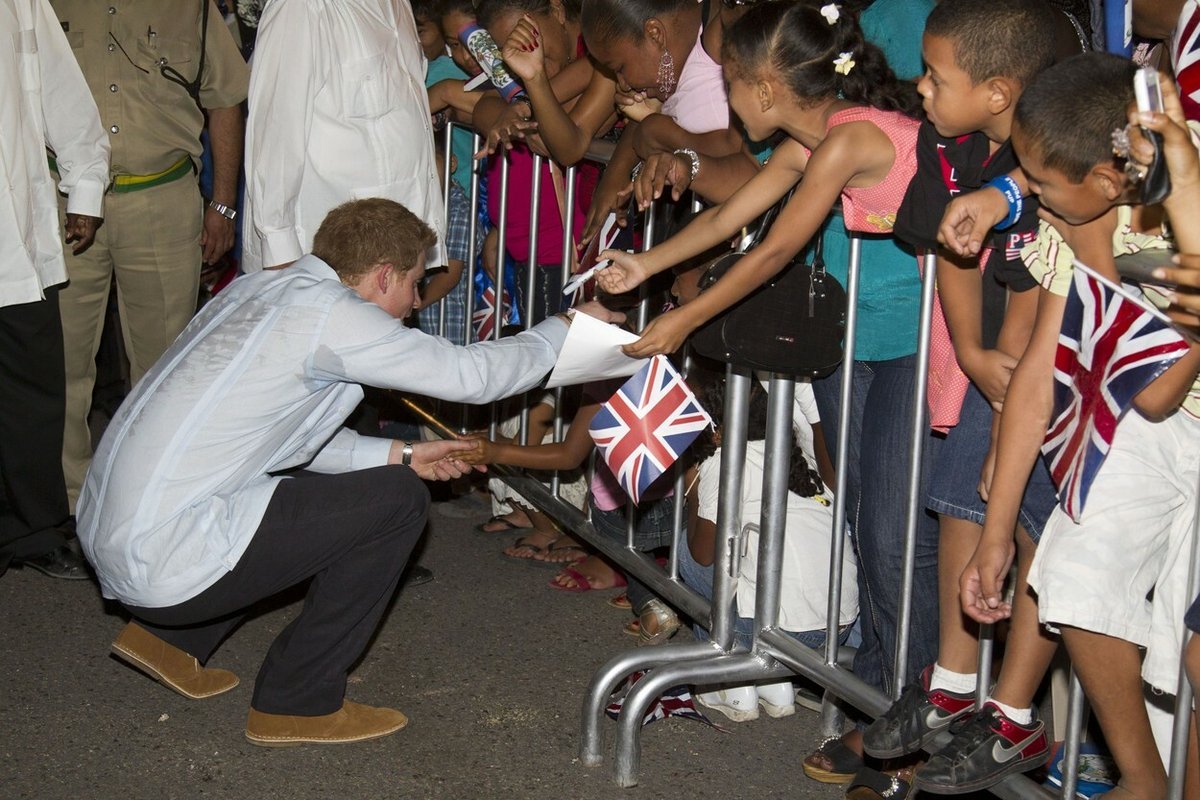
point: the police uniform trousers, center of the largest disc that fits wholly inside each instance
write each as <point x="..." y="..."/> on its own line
<point x="150" y="241"/>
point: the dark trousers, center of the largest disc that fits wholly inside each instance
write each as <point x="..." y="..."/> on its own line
<point x="33" y="498"/>
<point x="352" y="534"/>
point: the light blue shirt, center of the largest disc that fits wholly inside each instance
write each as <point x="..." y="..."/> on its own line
<point x="261" y="381"/>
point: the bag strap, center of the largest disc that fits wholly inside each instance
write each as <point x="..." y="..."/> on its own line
<point x="818" y="250"/>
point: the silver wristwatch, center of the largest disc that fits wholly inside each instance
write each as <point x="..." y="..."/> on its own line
<point x="406" y="454"/>
<point x="224" y="210"/>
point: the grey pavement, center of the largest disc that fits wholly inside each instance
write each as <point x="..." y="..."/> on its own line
<point x="489" y="664"/>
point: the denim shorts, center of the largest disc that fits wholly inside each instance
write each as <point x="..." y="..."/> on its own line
<point x="653" y="524"/>
<point x="954" y="487"/>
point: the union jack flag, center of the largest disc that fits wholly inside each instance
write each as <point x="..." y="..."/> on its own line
<point x="674" y="702"/>
<point x="646" y="425"/>
<point x="1112" y="345"/>
<point x="484" y="316"/>
<point x="1185" y="57"/>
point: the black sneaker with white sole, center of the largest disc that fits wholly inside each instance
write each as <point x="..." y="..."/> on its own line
<point x="987" y="747"/>
<point x="915" y="719"/>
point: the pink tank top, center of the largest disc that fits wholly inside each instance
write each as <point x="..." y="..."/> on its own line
<point x="699" y="103"/>
<point x="873" y="209"/>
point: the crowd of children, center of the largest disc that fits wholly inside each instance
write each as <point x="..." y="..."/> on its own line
<point x="1009" y="155"/>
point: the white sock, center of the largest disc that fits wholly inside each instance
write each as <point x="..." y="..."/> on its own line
<point x="957" y="682"/>
<point x="1021" y="716"/>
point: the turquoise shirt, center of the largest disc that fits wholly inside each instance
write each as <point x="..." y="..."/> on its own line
<point x="889" y="294"/>
<point x="440" y="69"/>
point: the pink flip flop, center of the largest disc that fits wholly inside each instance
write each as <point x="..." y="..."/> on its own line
<point x="582" y="584"/>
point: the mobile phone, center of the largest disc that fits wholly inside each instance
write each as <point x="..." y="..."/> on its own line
<point x="1156" y="184"/>
<point x="1138" y="267"/>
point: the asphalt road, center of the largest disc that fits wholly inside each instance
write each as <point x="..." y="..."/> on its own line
<point x="489" y="664"/>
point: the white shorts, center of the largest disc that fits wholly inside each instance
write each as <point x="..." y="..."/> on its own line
<point x="1134" y="536"/>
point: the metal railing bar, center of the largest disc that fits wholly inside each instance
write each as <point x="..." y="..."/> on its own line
<point x="916" y="502"/>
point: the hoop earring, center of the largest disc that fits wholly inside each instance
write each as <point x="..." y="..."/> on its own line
<point x="666" y="75"/>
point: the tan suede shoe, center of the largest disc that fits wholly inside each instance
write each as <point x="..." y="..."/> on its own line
<point x="169" y="665"/>
<point x="353" y="722"/>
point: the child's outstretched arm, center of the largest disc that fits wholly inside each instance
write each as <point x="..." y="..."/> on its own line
<point x="566" y="135"/>
<point x="567" y="454"/>
<point x="1184" y="165"/>
<point x="826" y="173"/>
<point x="711" y="227"/>
<point x="1027" y="407"/>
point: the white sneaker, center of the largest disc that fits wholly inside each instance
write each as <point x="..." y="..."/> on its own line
<point x="777" y="699"/>
<point x="739" y="703"/>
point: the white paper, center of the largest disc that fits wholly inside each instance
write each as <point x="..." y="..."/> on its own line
<point x="592" y="352"/>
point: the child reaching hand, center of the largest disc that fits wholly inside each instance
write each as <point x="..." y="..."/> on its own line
<point x="851" y="134"/>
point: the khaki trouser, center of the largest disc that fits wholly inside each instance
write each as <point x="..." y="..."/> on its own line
<point x="151" y="240"/>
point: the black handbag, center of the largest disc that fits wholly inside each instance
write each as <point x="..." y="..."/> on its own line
<point x="793" y="324"/>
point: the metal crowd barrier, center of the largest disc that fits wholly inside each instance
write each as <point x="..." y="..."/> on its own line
<point x="773" y="655"/>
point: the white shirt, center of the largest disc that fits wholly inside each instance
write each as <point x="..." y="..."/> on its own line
<point x="338" y="112"/>
<point x="44" y="101"/>
<point x="261" y="381"/>
<point x="804" y="587"/>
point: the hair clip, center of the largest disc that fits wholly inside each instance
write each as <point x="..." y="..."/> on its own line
<point x="831" y="13"/>
<point x="843" y="63"/>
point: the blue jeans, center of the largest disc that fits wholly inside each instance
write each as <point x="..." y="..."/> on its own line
<point x="876" y="503"/>
<point x="700" y="578"/>
<point x="652" y="527"/>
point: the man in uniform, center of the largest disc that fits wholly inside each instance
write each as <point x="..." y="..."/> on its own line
<point x="44" y="102"/>
<point x="151" y="68"/>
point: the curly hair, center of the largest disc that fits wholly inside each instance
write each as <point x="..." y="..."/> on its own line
<point x="794" y="40"/>
<point x="803" y="480"/>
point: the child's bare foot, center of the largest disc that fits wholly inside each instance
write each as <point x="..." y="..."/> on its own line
<point x="563" y="551"/>
<point x="531" y="546"/>
<point x="591" y="573"/>
<point x="513" y="520"/>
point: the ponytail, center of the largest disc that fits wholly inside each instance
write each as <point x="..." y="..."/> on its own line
<point x="819" y="52"/>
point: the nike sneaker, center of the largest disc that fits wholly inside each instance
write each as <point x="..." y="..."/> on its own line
<point x="987" y="747"/>
<point x="915" y="719"/>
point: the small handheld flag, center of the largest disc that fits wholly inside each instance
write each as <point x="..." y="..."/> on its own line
<point x="647" y="425"/>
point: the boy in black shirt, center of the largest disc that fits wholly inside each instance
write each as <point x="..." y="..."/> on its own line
<point x="980" y="54"/>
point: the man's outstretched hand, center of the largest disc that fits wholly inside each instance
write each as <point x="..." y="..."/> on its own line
<point x="437" y="461"/>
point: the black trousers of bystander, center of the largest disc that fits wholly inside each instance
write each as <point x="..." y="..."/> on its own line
<point x="33" y="496"/>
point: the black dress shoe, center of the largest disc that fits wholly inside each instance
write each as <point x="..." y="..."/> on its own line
<point x="65" y="561"/>
<point x="418" y="575"/>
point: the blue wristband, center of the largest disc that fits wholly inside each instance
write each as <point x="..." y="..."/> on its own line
<point x="1012" y="193"/>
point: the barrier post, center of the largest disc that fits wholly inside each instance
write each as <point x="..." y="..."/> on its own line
<point x="842" y="457"/>
<point x="568" y="260"/>
<point x="1183" y="694"/>
<point x="916" y="503"/>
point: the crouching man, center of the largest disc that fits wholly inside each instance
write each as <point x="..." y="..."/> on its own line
<point x="185" y="514"/>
